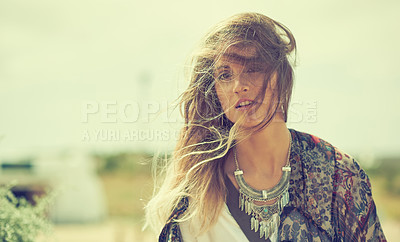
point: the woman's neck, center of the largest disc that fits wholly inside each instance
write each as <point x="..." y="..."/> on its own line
<point x="263" y="153"/>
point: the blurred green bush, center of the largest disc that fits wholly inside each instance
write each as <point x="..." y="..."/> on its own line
<point x="20" y="221"/>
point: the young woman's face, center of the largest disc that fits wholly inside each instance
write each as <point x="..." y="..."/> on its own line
<point x="239" y="77"/>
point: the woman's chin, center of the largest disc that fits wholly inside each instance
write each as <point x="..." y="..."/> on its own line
<point x="248" y="123"/>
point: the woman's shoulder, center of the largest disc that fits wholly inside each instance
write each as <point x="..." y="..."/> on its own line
<point x="320" y="158"/>
<point x="319" y="150"/>
<point x="311" y="142"/>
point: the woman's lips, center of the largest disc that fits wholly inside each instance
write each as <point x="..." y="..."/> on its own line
<point x="244" y="104"/>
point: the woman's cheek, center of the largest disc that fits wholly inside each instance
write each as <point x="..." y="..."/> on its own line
<point x="224" y="103"/>
<point x="221" y="94"/>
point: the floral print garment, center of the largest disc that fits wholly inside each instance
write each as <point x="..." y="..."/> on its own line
<point x="330" y="197"/>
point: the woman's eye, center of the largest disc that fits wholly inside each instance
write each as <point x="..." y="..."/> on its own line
<point x="224" y="76"/>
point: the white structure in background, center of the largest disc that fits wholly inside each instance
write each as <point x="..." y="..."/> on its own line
<point x="79" y="194"/>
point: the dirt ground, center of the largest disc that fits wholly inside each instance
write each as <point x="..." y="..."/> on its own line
<point x="124" y="231"/>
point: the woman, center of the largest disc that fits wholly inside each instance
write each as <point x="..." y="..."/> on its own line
<point x="238" y="173"/>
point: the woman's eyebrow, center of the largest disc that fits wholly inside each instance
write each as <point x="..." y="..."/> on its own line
<point x="222" y="67"/>
<point x="233" y="57"/>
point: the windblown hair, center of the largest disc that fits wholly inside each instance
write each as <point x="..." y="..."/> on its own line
<point x="195" y="169"/>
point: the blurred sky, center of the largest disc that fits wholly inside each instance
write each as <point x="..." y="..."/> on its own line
<point x="91" y="74"/>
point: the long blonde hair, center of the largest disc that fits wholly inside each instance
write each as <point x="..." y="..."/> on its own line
<point x="195" y="169"/>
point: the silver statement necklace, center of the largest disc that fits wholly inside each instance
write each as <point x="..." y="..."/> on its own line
<point x="264" y="218"/>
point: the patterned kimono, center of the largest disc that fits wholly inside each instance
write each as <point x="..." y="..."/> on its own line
<point x="330" y="197"/>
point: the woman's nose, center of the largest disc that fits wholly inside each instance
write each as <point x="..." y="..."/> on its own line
<point x="241" y="85"/>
